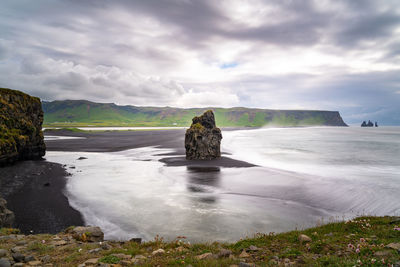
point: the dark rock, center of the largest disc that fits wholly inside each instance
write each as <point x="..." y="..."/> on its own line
<point x="224" y="253"/>
<point x="136" y="240"/>
<point x="30" y="258"/>
<point x="5" y="263"/>
<point x="6" y="216"/>
<point x="203" y="138"/>
<point x="46" y="184"/>
<point x="3" y="253"/>
<point x="82" y="158"/>
<point x="20" y="127"/>
<point x="88" y="233"/>
<point x="18" y="257"/>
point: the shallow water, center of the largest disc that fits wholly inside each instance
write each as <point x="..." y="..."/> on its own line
<point x="305" y="175"/>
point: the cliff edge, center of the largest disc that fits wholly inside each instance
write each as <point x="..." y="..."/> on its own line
<point x="21" y="118"/>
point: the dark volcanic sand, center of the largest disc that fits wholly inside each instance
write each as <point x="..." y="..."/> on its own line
<point x="111" y="141"/>
<point x="33" y="190"/>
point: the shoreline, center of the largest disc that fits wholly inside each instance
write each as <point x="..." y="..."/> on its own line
<point x="34" y="189"/>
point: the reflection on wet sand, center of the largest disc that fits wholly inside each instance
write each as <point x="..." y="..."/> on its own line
<point x="203" y="179"/>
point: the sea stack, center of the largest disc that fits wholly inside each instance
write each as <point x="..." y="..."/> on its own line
<point x="203" y="138"/>
<point x="21" y="118"/>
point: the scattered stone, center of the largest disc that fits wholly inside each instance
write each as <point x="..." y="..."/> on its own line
<point x="59" y="243"/>
<point x="254" y="248"/>
<point x="17" y="249"/>
<point x="82" y="158"/>
<point x="3" y="253"/>
<point x="29" y="258"/>
<point x="224" y="253"/>
<point x="95" y="250"/>
<point x="244" y="254"/>
<point x="244" y="264"/>
<point x="21" y="243"/>
<point x="203" y="138"/>
<point x="205" y="256"/>
<point x="34" y="263"/>
<point x="19" y="264"/>
<point x="45" y="258"/>
<point x="395" y="246"/>
<point x="383" y="253"/>
<point x="46" y="184"/>
<point x="125" y="263"/>
<point x="158" y="252"/>
<point x="397" y="264"/>
<point x="91" y="261"/>
<point x="136" y="240"/>
<point x="5" y="263"/>
<point x="140" y="257"/>
<point x="304" y="238"/>
<point x="106" y="246"/>
<point x="18" y="257"/>
<point x="87" y="234"/>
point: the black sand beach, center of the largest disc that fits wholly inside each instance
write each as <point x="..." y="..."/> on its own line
<point x="34" y="192"/>
<point x="34" y="189"/>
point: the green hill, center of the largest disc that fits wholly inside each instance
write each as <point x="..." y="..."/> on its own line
<point x="82" y="112"/>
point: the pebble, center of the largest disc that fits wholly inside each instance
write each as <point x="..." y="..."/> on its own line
<point x="224" y="253"/>
<point x="383" y="253"/>
<point x="158" y="252"/>
<point x="34" y="263"/>
<point x="19" y="264"/>
<point x="244" y="264"/>
<point x="106" y="246"/>
<point x="18" y="257"/>
<point x="304" y="238"/>
<point x="21" y="243"/>
<point x="91" y="261"/>
<point x="140" y="257"/>
<point x="254" y="248"/>
<point x="205" y="256"/>
<point x="17" y="249"/>
<point x="244" y="254"/>
<point x="46" y="258"/>
<point x="95" y="250"/>
<point x="3" y="253"/>
<point x="125" y="263"/>
<point x="29" y="258"/>
<point x="5" y="263"/>
<point x="395" y="246"/>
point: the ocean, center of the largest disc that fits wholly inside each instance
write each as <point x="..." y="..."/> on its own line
<point x="304" y="177"/>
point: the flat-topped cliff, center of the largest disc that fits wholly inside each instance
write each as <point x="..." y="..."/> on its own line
<point x="21" y="118"/>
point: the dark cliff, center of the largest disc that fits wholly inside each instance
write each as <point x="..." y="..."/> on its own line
<point x="21" y="118"/>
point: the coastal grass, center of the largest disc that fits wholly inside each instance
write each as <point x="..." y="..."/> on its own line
<point x="359" y="242"/>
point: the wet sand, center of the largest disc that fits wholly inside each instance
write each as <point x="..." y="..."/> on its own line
<point x="34" y="192"/>
<point x="34" y="189"/>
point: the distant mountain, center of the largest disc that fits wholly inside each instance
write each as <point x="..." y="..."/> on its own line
<point x="82" y="112"/>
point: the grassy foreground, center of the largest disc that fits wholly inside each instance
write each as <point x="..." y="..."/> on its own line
<point x="364" y="241"/>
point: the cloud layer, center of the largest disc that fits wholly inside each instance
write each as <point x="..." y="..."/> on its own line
<point x="332" y="55"/>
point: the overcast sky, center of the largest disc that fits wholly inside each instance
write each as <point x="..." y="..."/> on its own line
<point x="280" y="54"/>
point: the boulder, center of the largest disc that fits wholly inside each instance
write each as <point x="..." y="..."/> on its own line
<point x="21" y="118"/>
<point x="203" y="138"/>
<point x="87" y="233"/>
<point x="6" y="216"/>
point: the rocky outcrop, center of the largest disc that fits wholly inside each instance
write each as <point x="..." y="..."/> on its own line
<point x="6" y="216"/>
<point x="203" y="138"/>
<point x="21" y="119"/>
<point x="87" y="233"/>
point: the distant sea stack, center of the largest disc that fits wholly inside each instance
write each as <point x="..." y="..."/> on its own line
<point x="203" y="138"/>
<point x="21" y="118"/>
